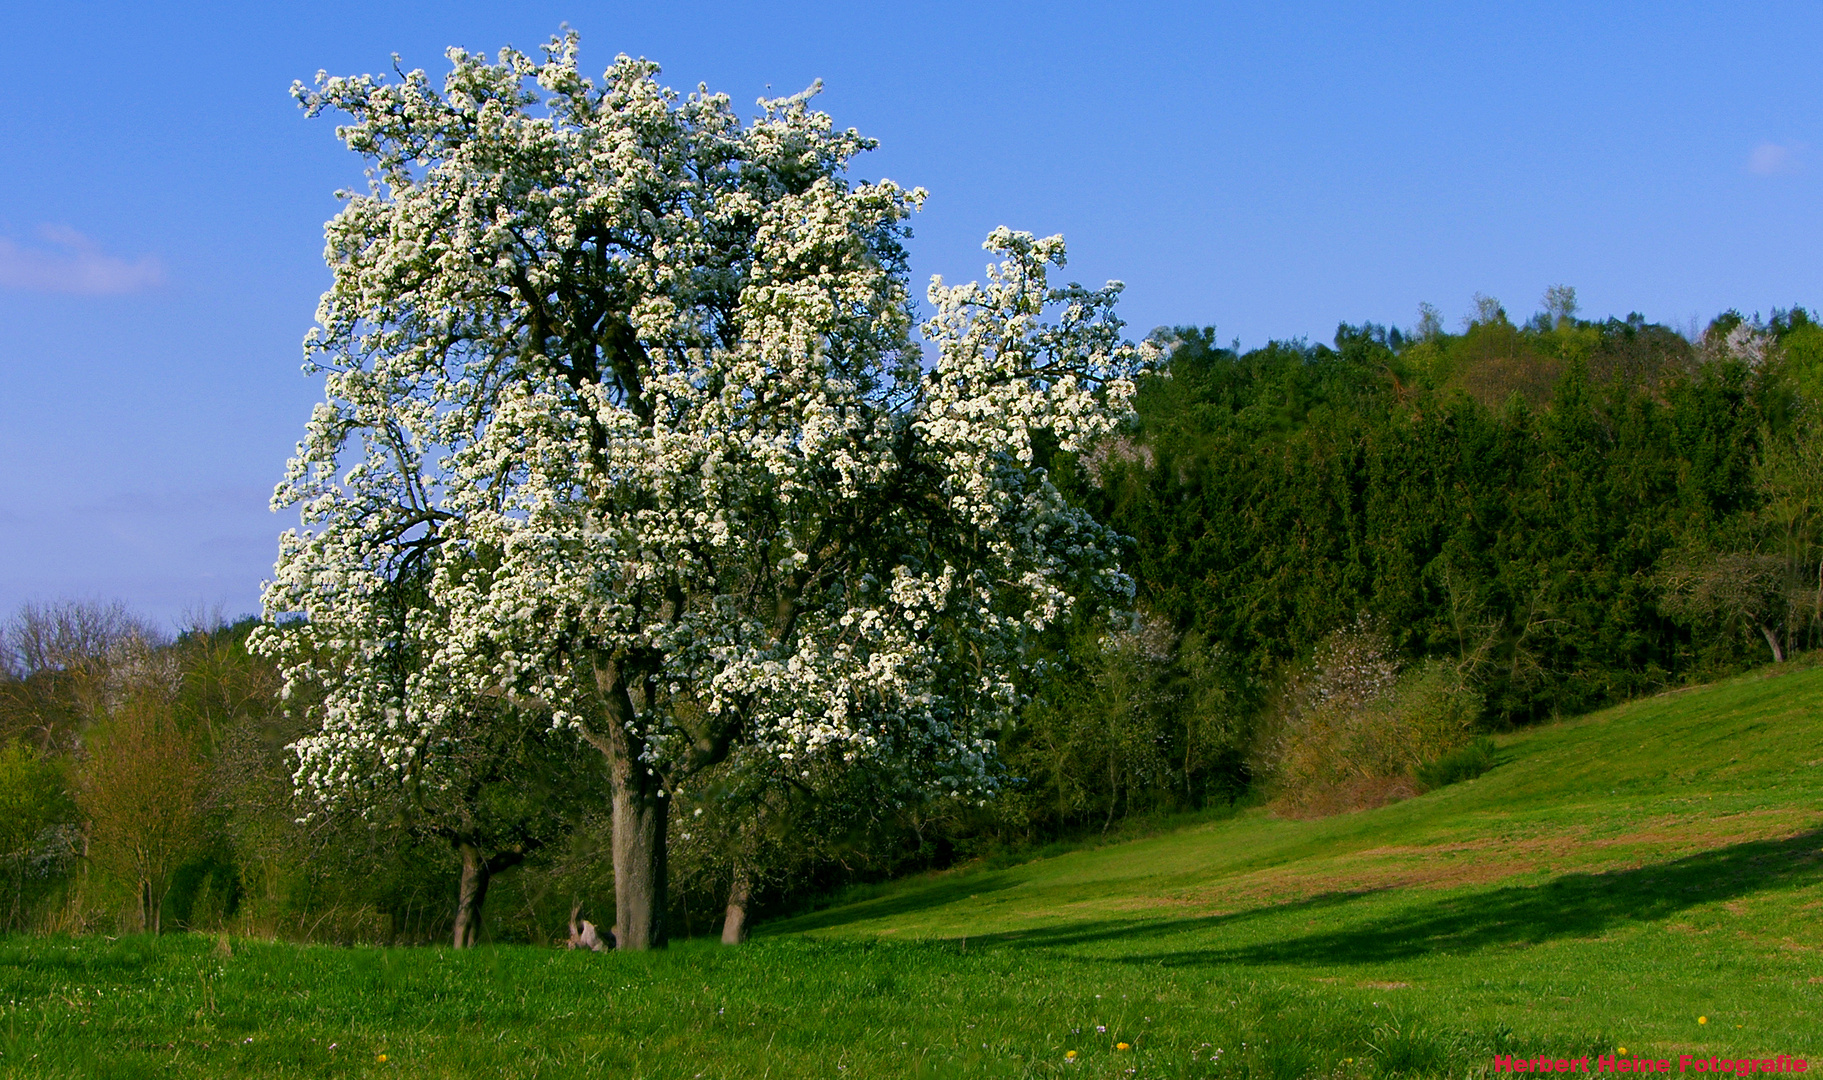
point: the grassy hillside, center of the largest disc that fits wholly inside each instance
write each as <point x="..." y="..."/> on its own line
<point x="1621" y="874"/>
<point x="1610" y="882"/>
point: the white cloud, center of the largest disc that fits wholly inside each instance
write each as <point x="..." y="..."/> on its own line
<point x="1771" y="159"/>
<point x="69" y="262"/>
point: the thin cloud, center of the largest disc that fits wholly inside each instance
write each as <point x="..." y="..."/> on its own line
<point x="1772" y="159"/>
<point x="68" y="262"/>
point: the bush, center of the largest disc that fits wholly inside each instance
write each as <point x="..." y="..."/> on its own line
<point x="1462" y="763"/>
<point x="1350" y="729"/>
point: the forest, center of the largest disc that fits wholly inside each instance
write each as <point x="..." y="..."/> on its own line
<point x="1353" y="562"/>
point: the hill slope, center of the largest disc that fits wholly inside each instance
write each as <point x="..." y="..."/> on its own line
<point x="1623" y="874"/>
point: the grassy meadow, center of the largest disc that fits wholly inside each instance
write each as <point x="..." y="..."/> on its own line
<point x="1648" y="877"/>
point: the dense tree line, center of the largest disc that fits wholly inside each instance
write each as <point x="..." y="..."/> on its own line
<point x="1545" y="517"/>
<point x="1351" y="560"/>
<point x="1288" y="490"/>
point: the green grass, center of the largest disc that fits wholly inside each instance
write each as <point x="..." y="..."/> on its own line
<point x="1609" y="881"/>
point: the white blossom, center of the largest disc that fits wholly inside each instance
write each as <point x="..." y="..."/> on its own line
<point x="623" y="397"/>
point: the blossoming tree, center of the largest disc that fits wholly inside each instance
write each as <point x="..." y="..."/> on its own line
<point x="630" y="386"/>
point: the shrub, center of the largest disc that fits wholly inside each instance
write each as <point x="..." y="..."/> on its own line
<point x="1349" y="729"/>
<point x="1462" y="763"/>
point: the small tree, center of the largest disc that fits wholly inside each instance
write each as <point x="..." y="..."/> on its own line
<point x="141" y="790"/>
<point x="1559" y="305"/>
<point x="755" y="824"/>
<point x="495" y="781"/>
<point x="1737" y="591"/>
<point x="1097" y="736"/>
<point x="632" y="381"/>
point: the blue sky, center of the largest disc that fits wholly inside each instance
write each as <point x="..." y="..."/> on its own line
<point x="1269" y="169"/>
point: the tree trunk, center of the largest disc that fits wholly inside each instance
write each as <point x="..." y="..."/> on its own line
<point x="152" y="905"/>
<point x="640" y="886"/>
<point x="1778" y="654"/>
<point x="471" y="895"/>
<point x="734" y="924"/>
<point x="640" y="809"/>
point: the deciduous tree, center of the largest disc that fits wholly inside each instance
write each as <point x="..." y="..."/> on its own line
<point x="630" y="384"/>
<point x="141" y="791"/>
<point x="1736" y="590"/>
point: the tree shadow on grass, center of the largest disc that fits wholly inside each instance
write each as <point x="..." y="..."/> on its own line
<point x="903" y="901"/>
<point x="1570" y="906"/>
